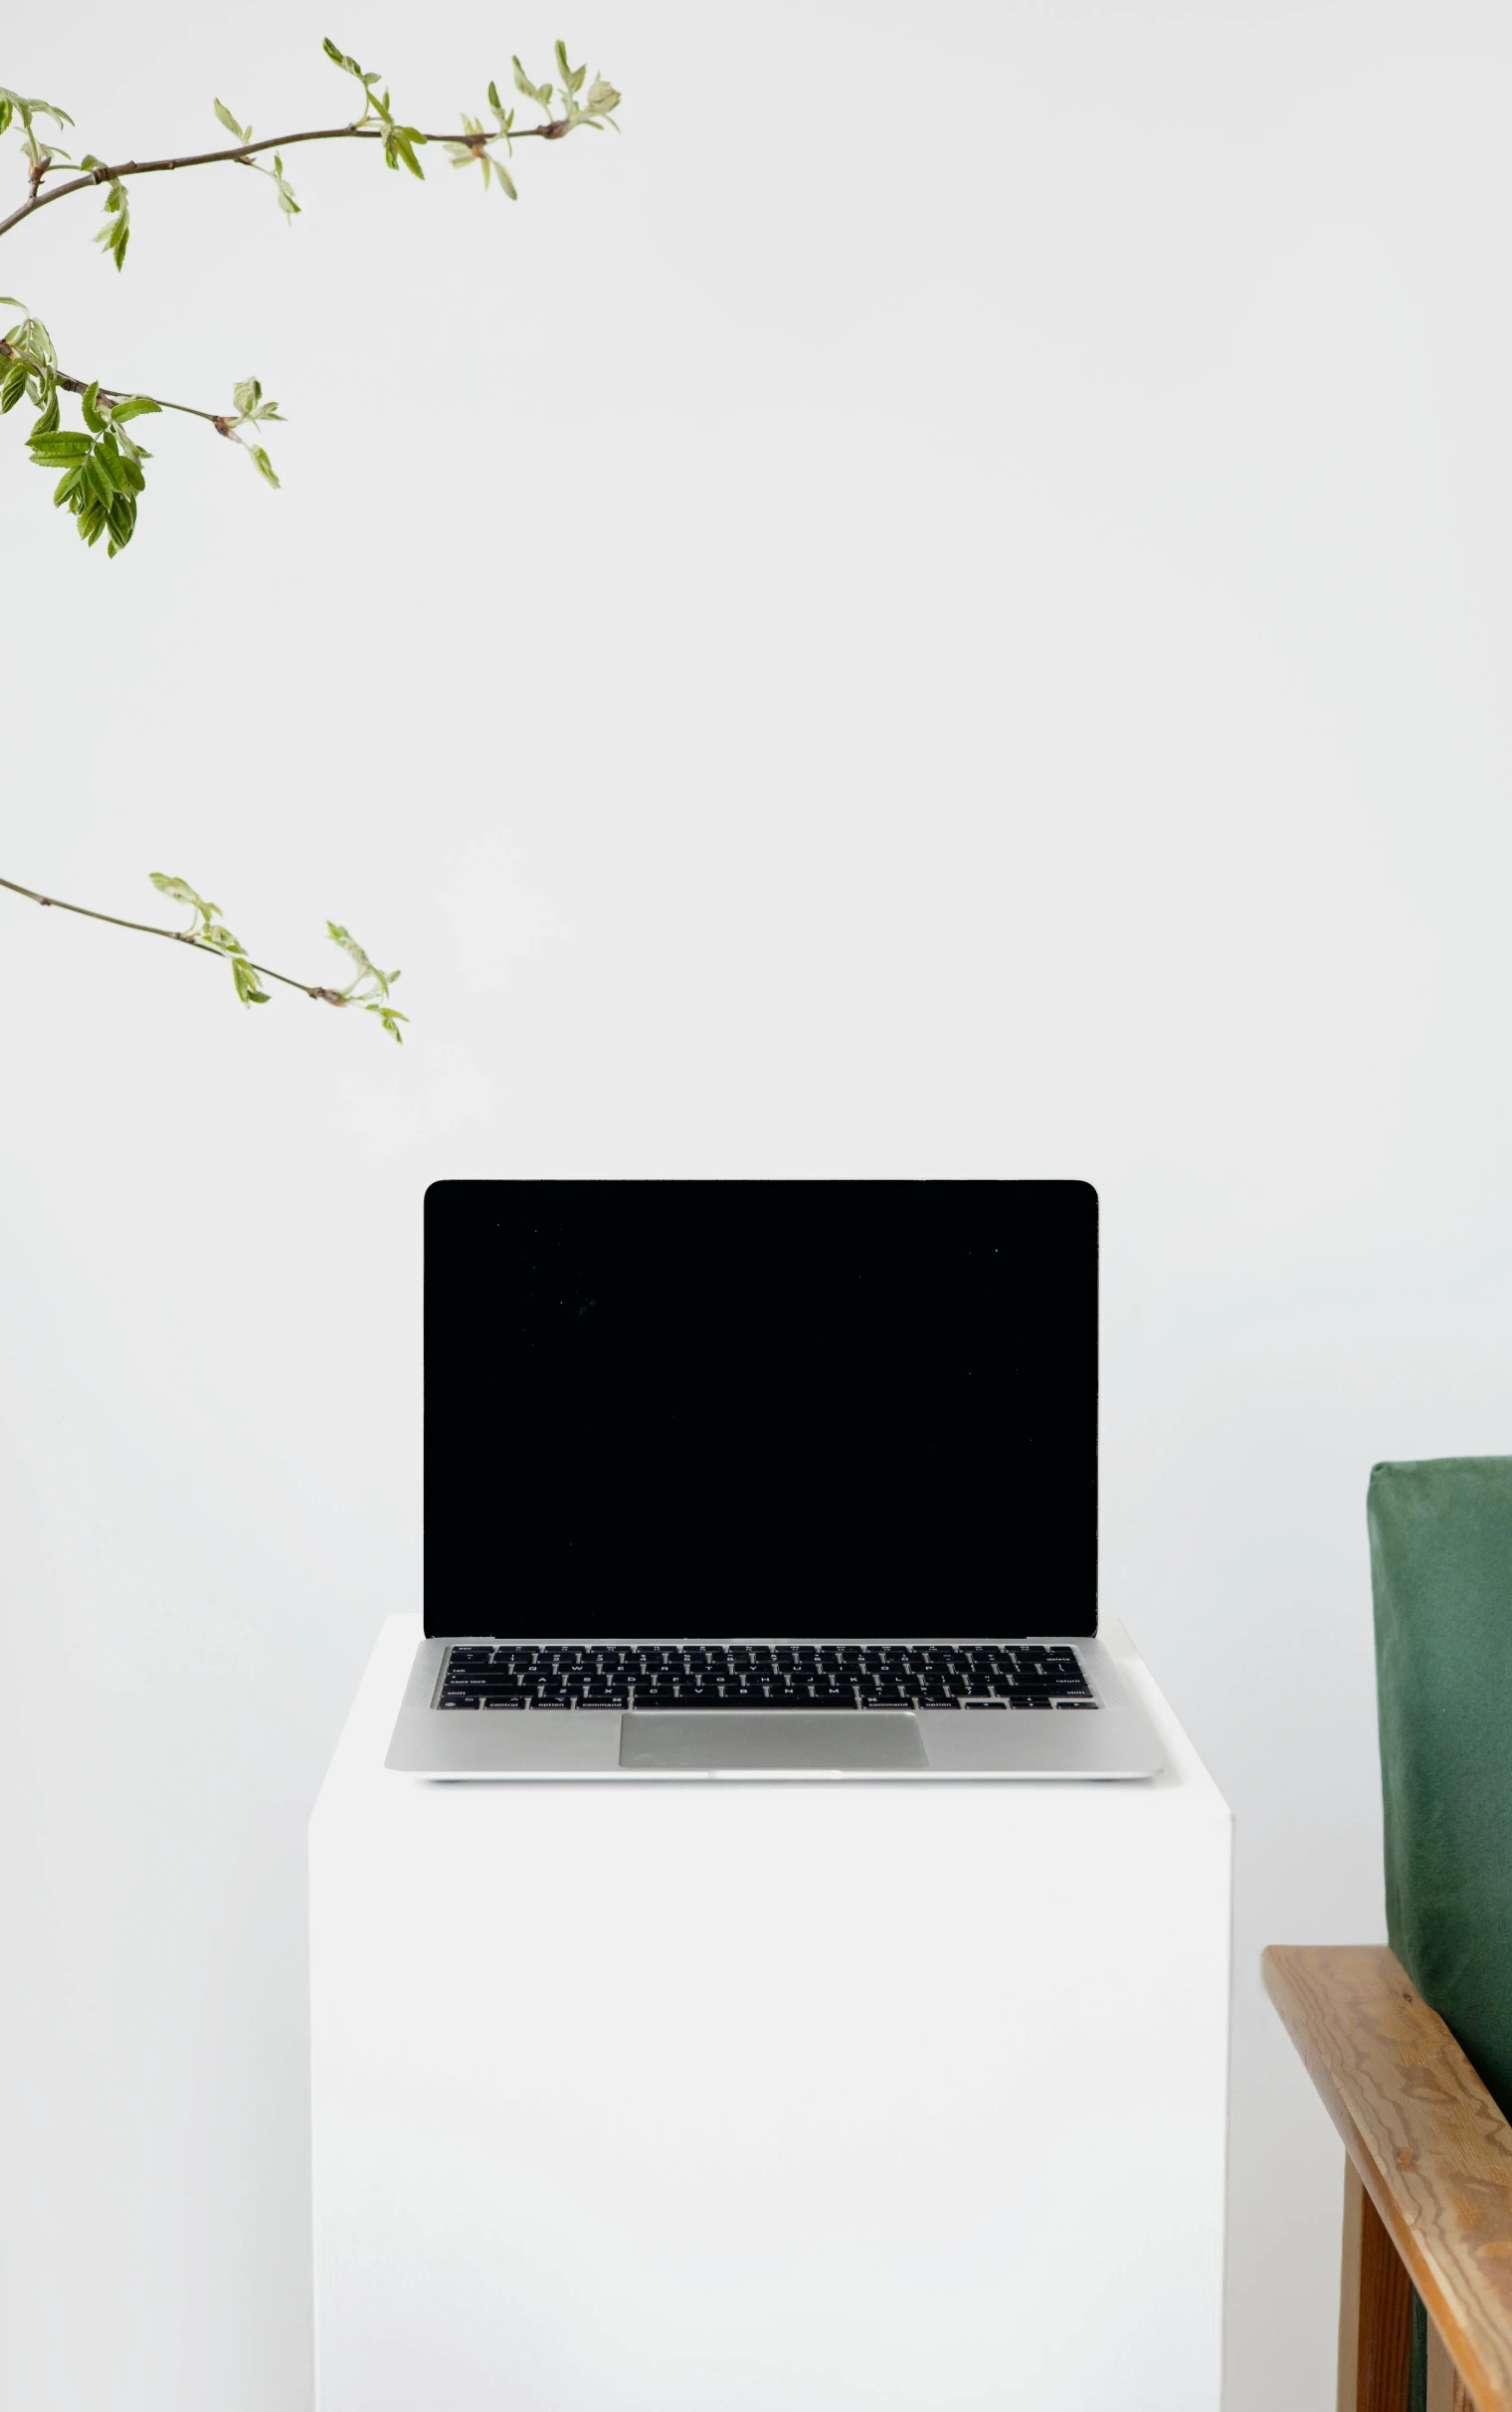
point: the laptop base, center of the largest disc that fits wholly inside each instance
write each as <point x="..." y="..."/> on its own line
<point x="1115" y="1743"/>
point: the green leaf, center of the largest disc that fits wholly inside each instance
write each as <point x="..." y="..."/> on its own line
<point x="123" y="523"/>
<point x="48" y="421"/>
<point x="602" y="97"/>
<point x="135" y="405"/>
<point x="572" y="77"/>
<point x="90" y="405"/>
<point x="182" y="893"/>
<point x="31" y="337"/>
<point x="540" y="92"/>
<point x="247" y="981"/>
<point x="366" y="78"/>
<point x="115" y="234"/>
<point x="242" y="133"/>
<point x="284" y="189"/>
<point x="399" y="143"/>
<point x="68" y="445"/>
<point x="13" y="385"/>
<point x="367" y="969"/>
<point x="26" y="110"/>
<point x="251" y="408"/>
<point x="505" y="179"/>
<point x="264" y="465"/>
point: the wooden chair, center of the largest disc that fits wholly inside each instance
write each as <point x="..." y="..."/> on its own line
<point x="1428" y="2181"/>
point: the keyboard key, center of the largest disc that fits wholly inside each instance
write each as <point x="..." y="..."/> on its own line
<point x="743" y="1703"/>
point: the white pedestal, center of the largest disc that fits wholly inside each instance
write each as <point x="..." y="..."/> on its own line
<point x="767" y="2097"/>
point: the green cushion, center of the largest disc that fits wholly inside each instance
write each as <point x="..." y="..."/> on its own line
<point x="1440" y="1535"/>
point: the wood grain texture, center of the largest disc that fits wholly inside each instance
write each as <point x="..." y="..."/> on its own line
<point x="1434" y="2152"/>
<point x="1349" y="2289"/>
<point x="1374" y="2310"/>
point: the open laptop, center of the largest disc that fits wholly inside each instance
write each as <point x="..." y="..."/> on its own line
<point x="763" y="1479"/>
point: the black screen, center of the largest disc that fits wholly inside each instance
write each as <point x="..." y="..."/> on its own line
<point x="674" y="1409"/>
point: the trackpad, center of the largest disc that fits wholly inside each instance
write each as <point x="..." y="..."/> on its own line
<point x="769" y="1739"/>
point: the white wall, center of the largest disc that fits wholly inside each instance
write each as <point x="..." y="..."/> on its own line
<point x="939" y="607"/>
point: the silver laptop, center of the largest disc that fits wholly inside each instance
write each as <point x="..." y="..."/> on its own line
<point x="749" y="1479"/>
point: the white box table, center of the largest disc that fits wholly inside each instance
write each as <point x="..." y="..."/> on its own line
<point x="767" y="2096"/>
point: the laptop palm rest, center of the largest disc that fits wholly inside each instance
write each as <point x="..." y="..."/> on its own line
<point x="769" y="1739"/>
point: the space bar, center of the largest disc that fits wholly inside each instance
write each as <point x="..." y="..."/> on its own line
<point x="737" y="1700"/>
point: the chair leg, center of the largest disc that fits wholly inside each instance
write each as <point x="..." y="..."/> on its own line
<point x="1374" y="2310"/>
<point x="1446" y="2389"/>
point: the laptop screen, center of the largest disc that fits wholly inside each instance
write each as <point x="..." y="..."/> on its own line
<point x="848" y="1410"/>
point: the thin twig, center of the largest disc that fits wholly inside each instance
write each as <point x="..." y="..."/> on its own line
<point x="221" y="421"/>
<point x="182" y="937"/>
<point x="552" y="130"/>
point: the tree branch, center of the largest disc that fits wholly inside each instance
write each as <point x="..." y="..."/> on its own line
<point x="553" y="130"/>
<point x="181" y="937"/>
<point x="219" y="420"/>
<point x="101" y="464"/>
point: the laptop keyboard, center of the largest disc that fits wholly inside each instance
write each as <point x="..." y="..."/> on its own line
<point x="1017" y="1675"/>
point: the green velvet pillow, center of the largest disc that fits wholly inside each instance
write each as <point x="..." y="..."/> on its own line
<point x="1440" y="1536"/>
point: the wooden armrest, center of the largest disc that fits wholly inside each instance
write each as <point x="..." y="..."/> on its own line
<point x="1434" y="2152"/>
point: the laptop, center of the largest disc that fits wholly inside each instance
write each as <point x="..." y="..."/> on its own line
<point x="763" y="1479"/>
